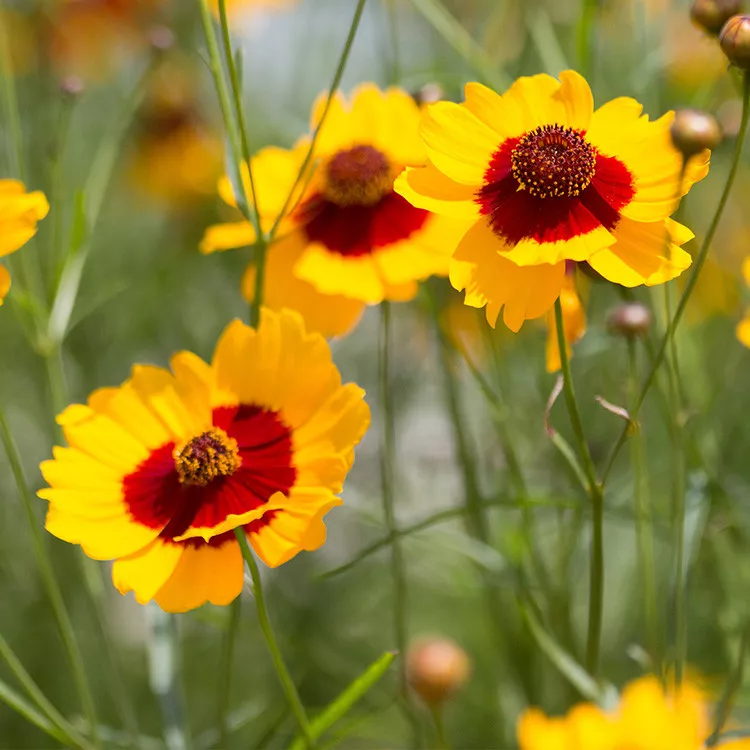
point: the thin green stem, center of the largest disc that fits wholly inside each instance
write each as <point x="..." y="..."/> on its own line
<point x="64" y="624"/>
<point x="343" y="59"/>
<point x="22" y="707"/>
<point x="227" y="661"/>
<point x="395" y="58"/>
<point x="731" y="688"/>
<point x="437" y="718"/>
<point x="644" y="523"/>
<point x="57" y="198"/>
<point x="693" y="280"/>
<point x="596" y="497"/>
<point x="282" y="672"/>
<point x="387" y="469"/>
<point x="586" y="35"/>
<point x="36" y="695"/>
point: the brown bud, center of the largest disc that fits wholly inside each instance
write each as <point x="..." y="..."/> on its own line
<point x="735" y="41"/>
<point x="429" y="94"/>
<point x="694" y="131"/>
<point x="711" y="15"/>
<point x="161" y="38"/>
<point x="436" y="668"/>
<point x="631" y="320"/>
<point x="72" y="86"/>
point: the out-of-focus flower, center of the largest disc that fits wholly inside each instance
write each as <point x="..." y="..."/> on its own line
<point x="630" y="319"/>
<point x="161" y="470"/>
<point x="176" y="157"/>
<point x="694" y="131"/>
<point x="646" y="718"/>
<point x="574" y="322"/>
<point x="91" y="38"/>
<point x="240" y="6"/>
<point x="19" y="213"/>
<point x="540" y="178"/>
<point x="711" y="15"/>
<point x="743" y="327"/>
<point x="360" y="240"/>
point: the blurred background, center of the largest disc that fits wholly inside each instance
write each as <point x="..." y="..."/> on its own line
<point x="121" y="129"/>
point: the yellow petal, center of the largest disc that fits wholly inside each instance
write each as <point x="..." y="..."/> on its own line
<point x="145" y="572"/>
<point x="428" y="188"/>
<point x="227" y="237"/>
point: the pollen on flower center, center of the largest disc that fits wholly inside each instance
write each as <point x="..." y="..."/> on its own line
<point x="358" y="176"/>
<point x="208" y="456"/>
<point x="553" y="161"/>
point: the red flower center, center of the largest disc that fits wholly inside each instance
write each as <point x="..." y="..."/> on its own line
<point x="233" y="468"/>
<point x="553" y="161"/>
<point x="358" y="176"/>
<point x="206" y="457"/>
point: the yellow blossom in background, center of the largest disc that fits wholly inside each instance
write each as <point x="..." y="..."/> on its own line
<point x="743" y="327"/>
<point x="574" y="323"/>
<point x="160" y="471"/>
<point x="239" y="6"/>
<point x="349" y="236"/>
<point x="540" y="178"/>
<point x="19" y="213"/>
<point x="176" y="157"/>
<point x="646" y="718"/>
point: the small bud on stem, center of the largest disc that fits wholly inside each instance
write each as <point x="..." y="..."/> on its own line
<point x="630" y="320"/>
<point x="437" y="668"/>
<point x="735" y="41"/>
<point x="711" y="15"/>
<point x="694" y="131"/>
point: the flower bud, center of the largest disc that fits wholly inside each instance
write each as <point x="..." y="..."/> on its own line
<point x="72" y="86"/>
<point x="735" y="41"/>
<point x="711" y="15"/>
<point x="630" y="320"/>
<point x="428" y="94"/>
<point x="161" y="38"/>
<point x="694" y="131"/>
<point x="436" y="668"/>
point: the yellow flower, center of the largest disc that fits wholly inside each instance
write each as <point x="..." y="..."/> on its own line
<point x="646" y="718"/>
<point x="574" y="323"/>
<point x="540" y="177"/>
<point x="237" y="6"/>
<point x="160" y="471"/>
<point x="357" y="240"/>
<point x="19" y="213"/>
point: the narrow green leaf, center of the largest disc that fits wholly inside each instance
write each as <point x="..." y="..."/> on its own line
<point x="343" y="704"/>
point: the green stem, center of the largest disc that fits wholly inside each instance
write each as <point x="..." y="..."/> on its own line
<point x="64" y="624"/>
<point x="227" y="661"/>
<point x="596" y="497"/>
<point x="331" y="94"/>
<point x="395" y="59"/>
<point x="437" y="717"/>
<point x="644" y="523"/>
<point x="731" y="688"/>
<point x="693" y="280"/>
<point x="586" y="36"/>
<point x="273" y="647"/>
<point x="387" y="468"/>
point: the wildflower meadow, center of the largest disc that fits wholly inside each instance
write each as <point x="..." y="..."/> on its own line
<point x="374" y="374"/>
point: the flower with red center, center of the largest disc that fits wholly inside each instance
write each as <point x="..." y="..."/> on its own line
<point x="539" y="178"/>
<point x="19" y="213"/>
<point x="159" y="472"/>
<point x="349" y="239"/>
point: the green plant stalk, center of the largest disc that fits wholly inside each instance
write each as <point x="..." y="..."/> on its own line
<point x="278" y="660"/>
<point x="395" y="59"/>
<point x="693" y="280"/>
<point x="437" y="718"/>
<point x="585" y="35"/>
<point x="387" y="467"/>
<point x="731" y="688"/>
<point x="341" y="706"/>
<point x="62" y="618"/>
<point x="441" y="19"/>
<point x="596" y="497"/>
<point x="18" y="704"/>
<point x="227" y="661"/>
<point x="343" y="59"/>
<point x="644" y="523"/>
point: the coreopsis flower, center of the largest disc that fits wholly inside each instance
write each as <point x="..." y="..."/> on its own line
<point x="540" y="178"/>
<point x="353" y="237"/>
<point x="574" y="322"/>
<point x="176" y="156"/>
<point x="19" y="213"/>
<point x="159" y="472"/>
<point x="646" y="718"/>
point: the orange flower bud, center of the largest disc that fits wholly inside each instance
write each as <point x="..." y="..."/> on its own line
<point x="711" y="15"/>
<point x="694" y="131"/>
<point x="436" y="668"/>
<point x="735" y="41"/>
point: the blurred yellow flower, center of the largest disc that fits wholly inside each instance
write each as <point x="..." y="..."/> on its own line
<point x="19" y="213"/>
<point x="357" y="240"/>
<point x="574" y="323"/>
<point x="539" y="177"/>
<point x="235" y="6"/>
<point x="176" y="157"/>
<point x="646" y="718"/>
<point x="160" y="471"/>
